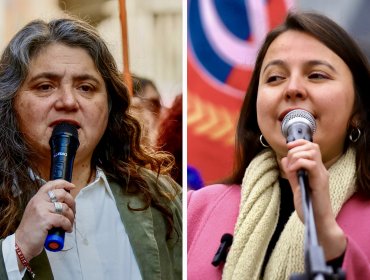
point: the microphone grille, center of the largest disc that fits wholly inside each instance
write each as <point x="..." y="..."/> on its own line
<point x="295" y="116"/>
<point x="65" y="128"/>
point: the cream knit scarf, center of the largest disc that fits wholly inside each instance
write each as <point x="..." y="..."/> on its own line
<point x="258" y="216"/>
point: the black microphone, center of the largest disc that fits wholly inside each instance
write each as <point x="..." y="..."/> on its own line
<point x="221" y="254"/>
<point x="298" y="124"/>
<point x="63" y="144"/>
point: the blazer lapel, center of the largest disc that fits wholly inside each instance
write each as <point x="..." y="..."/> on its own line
<point x="140" y="230"/>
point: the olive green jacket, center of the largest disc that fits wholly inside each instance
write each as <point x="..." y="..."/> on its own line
<point x="157" y="257"/>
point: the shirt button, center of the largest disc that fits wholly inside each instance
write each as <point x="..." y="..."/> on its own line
<point x="85" y="241"/>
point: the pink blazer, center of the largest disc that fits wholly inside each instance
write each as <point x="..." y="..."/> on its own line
<point x="213" y="210"/>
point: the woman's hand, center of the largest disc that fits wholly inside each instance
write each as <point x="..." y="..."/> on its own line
<point x="39" y="217"/>
<point x="306" y="155"/>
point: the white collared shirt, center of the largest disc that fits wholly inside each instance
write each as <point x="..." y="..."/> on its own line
<point x="98" y="247"/>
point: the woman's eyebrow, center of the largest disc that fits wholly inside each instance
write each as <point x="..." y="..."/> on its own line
<point x="272" y="63"/>
<point x="321" y="62"/>
<point x="313" y="62"/>
<point x="55" y="76"/>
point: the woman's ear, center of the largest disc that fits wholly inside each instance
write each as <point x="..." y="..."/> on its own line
<point x="355" y="121"/>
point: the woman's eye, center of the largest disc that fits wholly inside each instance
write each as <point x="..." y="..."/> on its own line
<point x="275" y="78"/>
<point x="86" y="88"/>
<point x="45" y="87"/>
<point x="318" y="76"/>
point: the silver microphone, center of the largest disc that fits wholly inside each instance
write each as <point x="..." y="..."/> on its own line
<point x="298" y="124"/>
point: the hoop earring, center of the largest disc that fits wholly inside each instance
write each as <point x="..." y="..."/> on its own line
<point x="263" y="142"/>
<point x="354" y="135"/>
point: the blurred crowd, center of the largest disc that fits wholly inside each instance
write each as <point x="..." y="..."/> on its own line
<point x="161" y="125"/>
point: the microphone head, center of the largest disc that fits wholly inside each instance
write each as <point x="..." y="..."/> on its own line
<point x="65" y="128"/>
<point x="297" y="116"/>
<point x="227" y="238"/>
<point x="66" y="135"/>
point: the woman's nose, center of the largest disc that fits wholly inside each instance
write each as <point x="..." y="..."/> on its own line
<point x="67" y="100"/>
<point x="295" y="89"/>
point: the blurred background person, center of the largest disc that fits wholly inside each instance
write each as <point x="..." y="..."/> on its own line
<point x="147" y="107"/>
<point x="170" y="136"/>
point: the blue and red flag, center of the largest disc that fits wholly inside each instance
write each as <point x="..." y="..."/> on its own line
<point x="224" y="37"/>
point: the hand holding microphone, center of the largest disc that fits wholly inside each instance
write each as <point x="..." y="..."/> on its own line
<point x="309" y="179"/>
<point x="40" y="212"/>
<point x="40" y="215"/>
<point x="63" y="144"/>
<point x="304" y="159"/>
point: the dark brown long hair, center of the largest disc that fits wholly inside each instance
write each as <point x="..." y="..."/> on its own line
<point x="119" y="153"/>
<point x="335" y="38"/>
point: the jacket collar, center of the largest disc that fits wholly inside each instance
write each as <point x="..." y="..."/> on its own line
<point x="139" y="226"/>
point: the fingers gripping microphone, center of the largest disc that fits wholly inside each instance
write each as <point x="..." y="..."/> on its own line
<point x="63" y="144"/>
<point x="298" y="124"/>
